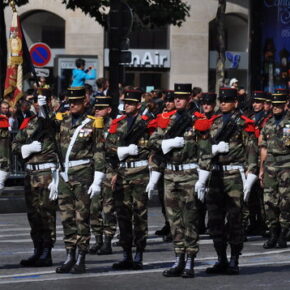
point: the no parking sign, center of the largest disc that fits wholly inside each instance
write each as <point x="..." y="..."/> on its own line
<point x="40" y="54"/>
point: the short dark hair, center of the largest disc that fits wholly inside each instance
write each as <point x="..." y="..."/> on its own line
<point x="80" y="62"/>
<point x="100" y="82"/>
<point x="196" y="91"/>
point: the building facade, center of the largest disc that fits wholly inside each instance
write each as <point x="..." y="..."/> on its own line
<point x="160" y="58"/>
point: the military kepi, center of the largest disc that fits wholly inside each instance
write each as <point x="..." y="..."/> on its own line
<point x="168" y="96"/>
<point x="103" y="101"/>
<point x="208" y="98"/>
<point x="182" y="90"/>
<point x="279" y="98"/>
<point x="228" y="95"/>
<point x="133" y="96"/>
<point x="259" y="96"/>
<point x="76" y="93"/>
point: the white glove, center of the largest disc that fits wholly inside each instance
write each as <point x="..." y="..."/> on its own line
<point x="3" y="177"/>
<point x="95" y="188"/>
<point x="200" y="184"/>
<point x="250" y="180"/>
<point x="125" y="151"/>
<point x="53" y="186"/>
<point x="41" y="101"/>
<point x="154" y="177"/>
<point x="28" y="149"/>
<point x="168" y="144"/>
<point x="221" y="147"/>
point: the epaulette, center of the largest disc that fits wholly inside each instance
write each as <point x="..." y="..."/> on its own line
<point x="163" y="119"/>
<point x="4" y="122"/>
<point x="199" y="115"/>
<point x="205" y="124"/>
<point x="114" y="124"/>
<point x="98" y="121"/>
<point x="249" y="124"/>
<point x="25" y="122"/>
<point x="59" y="116"/>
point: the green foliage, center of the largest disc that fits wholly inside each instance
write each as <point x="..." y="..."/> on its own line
<point x="147" y="13"/>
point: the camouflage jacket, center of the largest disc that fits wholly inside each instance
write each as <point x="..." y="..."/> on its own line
<point x="89" y="143"/>
<point x="191" y="152"/>
<point x="115" y="139"/>
<point x="277" y="139"/>
<point x="243" y="149"/>
<point x="4" y="143"/>
<point x="25" y="135"/>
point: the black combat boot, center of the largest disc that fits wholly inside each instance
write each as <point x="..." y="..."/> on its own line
<point x="80" y="266"/>
<point x="95" y="247"/>
<point x="30" y="262"/>
<point x="106" y="249"/>
<point x="126" y="263"/>
<point x="138" y="260"/>
<point x="177" y="268"/>
<point x="164" y="231"/>
<point x="272" y="241"/>
<point x="233" y="268"/>
<point x="45" y="259"/>
<point x="188" y="271"/>
<point x="68" y="263"/>
<point x="282" y="240"/>
<point x="222" y="263"/>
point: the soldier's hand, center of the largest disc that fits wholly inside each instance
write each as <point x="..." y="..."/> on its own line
<point x="133" y="149"/>
<point x="168" y="144"/>
<point x="124" y="151"/>
<point x="53" y="186"/>
<point x="150" y="188"/>
<point x="3" y="177"/>
<point x="41" y="100"/>
<point x="221" y="147"/>
<point x="95" y="188"/>
<point x="27" y="150"/>
<point x="261" y="178"/>
<point x="250" y="180"/>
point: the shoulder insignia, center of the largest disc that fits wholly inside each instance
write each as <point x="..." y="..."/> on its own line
<point x="59" y="116"/>
<point x="199" y="115"/>
<point x="249" y="125"/>
<point x="25" y="122"/>
<point x="114" y="124"/>
<point x="4" y="121"/>
<point x="163" y="119"/>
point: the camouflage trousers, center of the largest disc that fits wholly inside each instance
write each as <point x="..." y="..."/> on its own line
<point x="74" y="204"/>
<point x="131" y="207"/>
<point x="41" y="211"/>
<point x="277" y="196"/>
<point x="224" y="202"/>
<point x="103" y="216"/>
<point x="182" y="214"/>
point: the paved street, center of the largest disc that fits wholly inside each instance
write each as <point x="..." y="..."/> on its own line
<point x="260" y="269"/>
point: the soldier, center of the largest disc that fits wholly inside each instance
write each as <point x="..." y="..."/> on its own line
<point x="228" y="184"/>
<point x="4" y="150"/>
<point x="169" y="110"/>
<point x="131" y="153"/>
<point x="103" y="203"/>
<point x="175" y="143"/>
<point x="275" y="171"/>
<point x="35" y="143"/>
<point x="82" y="145"/>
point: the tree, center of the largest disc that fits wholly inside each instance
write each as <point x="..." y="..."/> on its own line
<point x="147" y="13"/>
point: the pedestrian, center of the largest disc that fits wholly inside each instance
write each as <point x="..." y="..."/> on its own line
<point x="80" y="75"/>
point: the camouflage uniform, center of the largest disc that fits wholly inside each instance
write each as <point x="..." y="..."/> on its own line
<point x="130" y="196"/>
<point x="225" y="196"/>
<point x="41" y="211"/>
<point x="277" y="172"/>
<point x="179" y="196"/>
<point x="74" y="201"/>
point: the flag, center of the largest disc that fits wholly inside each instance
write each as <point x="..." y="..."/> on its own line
<point x="14" y="74"/>
<point x="3" y="49"/>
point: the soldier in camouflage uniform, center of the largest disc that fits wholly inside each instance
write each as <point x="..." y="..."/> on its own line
<point x="228" y="186"/>
<point x="275" y="172"/>
<point x="103" y="204"/>
<point x="35" y="143"/>
<point x="130" y="181"/>
<point x="179" y="155"/>
<point x="82" y="146"/>
<point x="4" y="150"/>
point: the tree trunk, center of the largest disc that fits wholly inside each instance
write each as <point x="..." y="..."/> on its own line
<point x="220" y="23"/>
<point x="3" y="49"/>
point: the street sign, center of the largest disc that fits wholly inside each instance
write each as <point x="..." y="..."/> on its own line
<point x="42" y="72"/>
<point x="40" y="54"/>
